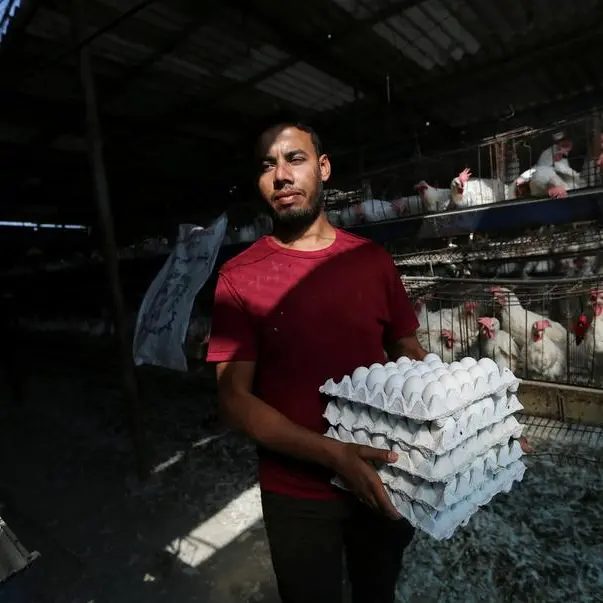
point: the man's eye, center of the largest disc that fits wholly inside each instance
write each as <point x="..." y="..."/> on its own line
<point x="266" y="166"/>
<point x="297" y="159"/>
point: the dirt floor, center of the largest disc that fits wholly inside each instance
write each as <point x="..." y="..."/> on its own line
<point x="193" y="533"/>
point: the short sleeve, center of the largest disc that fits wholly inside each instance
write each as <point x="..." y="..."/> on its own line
<point x="232" y="336"/>
<point x="402" y="318"/>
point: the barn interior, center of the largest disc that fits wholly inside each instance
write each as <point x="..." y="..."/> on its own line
<point x="123" y="119"/>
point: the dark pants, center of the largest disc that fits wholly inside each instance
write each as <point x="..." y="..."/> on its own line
<point x="308" y="541"/>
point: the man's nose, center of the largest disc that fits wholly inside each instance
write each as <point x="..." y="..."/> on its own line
<point x="282" y="174"/>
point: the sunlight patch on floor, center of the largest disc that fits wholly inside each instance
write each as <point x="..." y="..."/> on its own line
<point x="221" y="529"/>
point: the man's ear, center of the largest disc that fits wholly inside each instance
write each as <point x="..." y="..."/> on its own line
<point x="325" y="167"/>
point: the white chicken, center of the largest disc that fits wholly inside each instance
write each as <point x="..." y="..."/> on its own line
<point x="461" y="323"/>
<point x="553" y="175"/>
<point x="497" y="344"/>
<point x="469" y="192"/>
<point x="515" y="319"/>
<point x="371" y="210"/>
<point x="433" y="199"/>
<point x="593" y="338"/>
<point x="540" y="356"/>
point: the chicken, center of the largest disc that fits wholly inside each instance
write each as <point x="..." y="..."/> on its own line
<point x="371" y="210"/>
<point x="542" y="358"/>
<point x="433" y="199"/>
<point x="497" y="344"/>
<point x="593" y="338"/>
<point x="468" y="192"/>
<point x="553" y="174"/>
<point x="516" y="320"/>
<point x="460" y="322"/>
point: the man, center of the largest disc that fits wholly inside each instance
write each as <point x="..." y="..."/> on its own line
<point x="308" y="303"/>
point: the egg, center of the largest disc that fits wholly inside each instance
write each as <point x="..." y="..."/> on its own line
<point x="463" y="376"/>
<point x="376" y="377"/>
<point x="431" y="357"/>
<point x="455" y="366"/>
<point x="428" y="377"/>
<point x="375" y="365"/>
<point x="450" y="383"/>
<point x="434" y="364"/>
<point x="477" y="372"/>
<point x="412" y="387"/>
<point x="390" y="365"/>
<point x="403" y="361"/>
<point x="395" y="381"/>
<point x="435" y="388"/>
<point x="392" y="370"/>
<point x="489" y="366"/>
<point x="411" y="372"/>
<point x="359" y="376"/>
<point x="468" y="362"/>
<point x="440" y="371"/>
<point x="422" y="368"/>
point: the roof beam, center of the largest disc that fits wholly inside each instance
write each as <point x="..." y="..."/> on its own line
<point x="312" y="53"/>
<point x="134" y="74"/>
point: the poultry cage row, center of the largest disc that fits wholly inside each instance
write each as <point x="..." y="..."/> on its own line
<point x="516" y="165"/>
<point x="543" y="330"/>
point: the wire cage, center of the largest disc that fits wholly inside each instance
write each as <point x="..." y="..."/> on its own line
<point x="499" y="168"/>
<point x="543" y="330"/>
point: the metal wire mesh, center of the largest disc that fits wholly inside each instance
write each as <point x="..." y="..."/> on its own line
<point x="564" y="349"/>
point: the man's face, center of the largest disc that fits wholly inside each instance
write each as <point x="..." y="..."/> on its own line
<point x="292" y="175"/>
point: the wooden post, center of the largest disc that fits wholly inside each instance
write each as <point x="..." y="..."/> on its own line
<point x="109" y="246"/>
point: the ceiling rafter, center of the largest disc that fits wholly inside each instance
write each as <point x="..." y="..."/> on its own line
<point x="133" y="74"/>
<point x="313" y="54"/>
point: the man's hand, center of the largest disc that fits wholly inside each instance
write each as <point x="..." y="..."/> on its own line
<point x="353" y="466"/>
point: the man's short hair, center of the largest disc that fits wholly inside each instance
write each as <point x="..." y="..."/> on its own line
<point x="287" y="120"/>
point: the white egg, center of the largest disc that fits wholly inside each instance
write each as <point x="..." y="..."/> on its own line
<point x="412" y="387"/>
<point x="477" y="372"/>
<point x="391" y="365"/>
<point x="392" y="370"/>
<point x="442" y="370"/>
<point x="434" y="364"/>
<point x="463" y="376"/>
<point x="455" y="366"/>
<point x="377" y="376"/>
<point x="403" y="361"/>
<point x="435" y="388"/>
<point x="359" y="376"/>
<point x="411" y="372"/>
<point x="422" y="369"/>
<point x="489" y="366"/>
<point x="429" y="377"/>
<point x="468" y="362"/>
<point x="375" y="365"/>
<point x="450" y="383"/>
<point x="393" y="382"/>
<point x="431" y="358"/>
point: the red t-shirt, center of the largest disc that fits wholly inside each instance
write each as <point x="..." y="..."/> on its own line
<point x="303" y="317"/>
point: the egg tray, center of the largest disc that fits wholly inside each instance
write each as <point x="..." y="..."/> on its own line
<point x="441" y="525"/>
<point x="441" y="495"/>
<point x="439" y="468"/>
<point x="429" y="437"/>
<point x="426" y="390"/>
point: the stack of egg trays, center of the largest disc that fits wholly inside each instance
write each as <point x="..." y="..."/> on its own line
<point x="456" y="440"/>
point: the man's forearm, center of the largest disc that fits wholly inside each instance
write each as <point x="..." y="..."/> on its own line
<point x="274" y="431"/>
<point x="407" y="346"/>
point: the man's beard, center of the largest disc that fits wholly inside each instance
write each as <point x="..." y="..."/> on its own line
<point x="293" y="221"/>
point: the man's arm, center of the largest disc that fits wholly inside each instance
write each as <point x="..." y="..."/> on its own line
<point x="266" y="425"/>
<point x="406" y="346"/>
